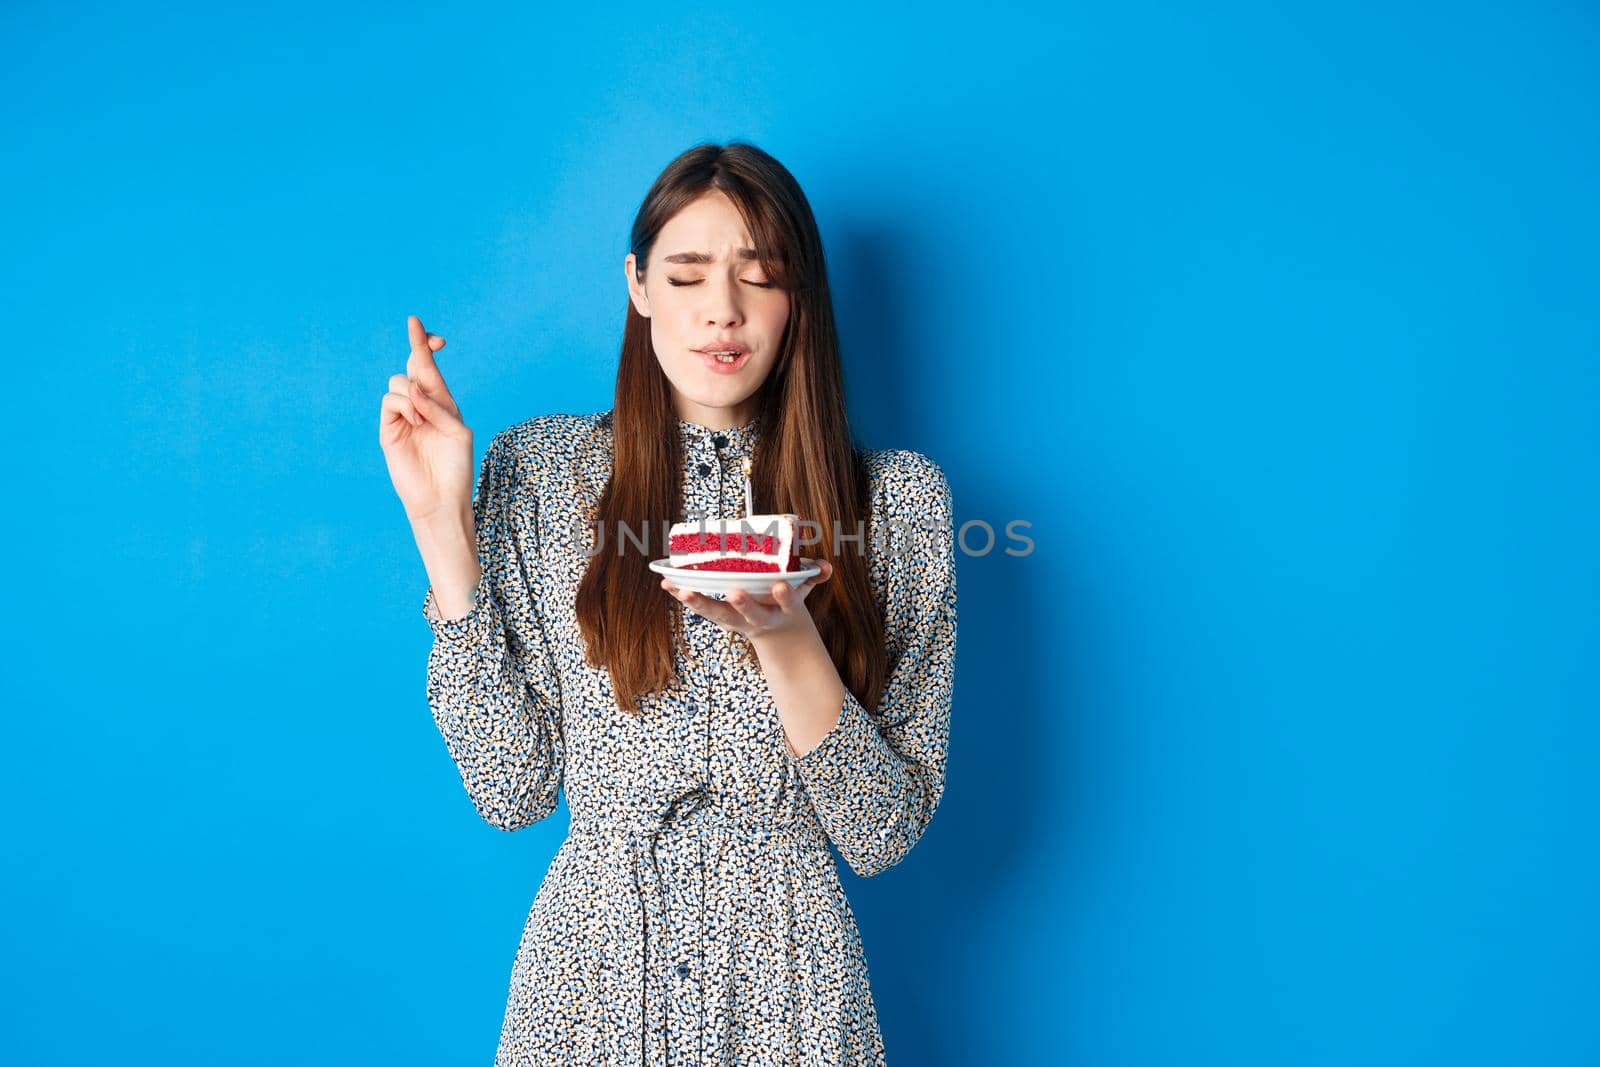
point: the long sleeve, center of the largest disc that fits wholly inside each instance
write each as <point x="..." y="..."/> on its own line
<point x="491" y="681"/>
<point x="876" y="779"/>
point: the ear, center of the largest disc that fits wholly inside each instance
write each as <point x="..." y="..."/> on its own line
<point x="641" y="302"/>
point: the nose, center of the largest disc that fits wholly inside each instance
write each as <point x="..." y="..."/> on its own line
<point x="722" y="307"/>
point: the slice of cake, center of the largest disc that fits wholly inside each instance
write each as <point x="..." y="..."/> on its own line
<point x="752" y="543"/>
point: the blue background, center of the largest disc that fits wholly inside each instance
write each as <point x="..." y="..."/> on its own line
<point x="1278" y="327"/>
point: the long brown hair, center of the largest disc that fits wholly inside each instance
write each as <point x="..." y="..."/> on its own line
<point x="804" y="461"/>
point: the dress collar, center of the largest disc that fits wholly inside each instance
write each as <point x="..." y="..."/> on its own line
<point x="737" y="441"/>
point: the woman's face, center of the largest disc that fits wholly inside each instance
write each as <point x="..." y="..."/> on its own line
<point x="700" y="292"/>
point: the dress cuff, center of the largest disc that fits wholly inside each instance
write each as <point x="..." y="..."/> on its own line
<point x="472" y="627"/>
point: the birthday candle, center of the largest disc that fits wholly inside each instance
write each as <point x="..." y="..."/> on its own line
<point x="744" y="465"/>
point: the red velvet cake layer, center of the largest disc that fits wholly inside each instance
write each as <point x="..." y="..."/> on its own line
<point x="732" y="542"/>
<point x="735" y="564"/>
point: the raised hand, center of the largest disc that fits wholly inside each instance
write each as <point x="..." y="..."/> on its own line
<point x="426" y="444"/>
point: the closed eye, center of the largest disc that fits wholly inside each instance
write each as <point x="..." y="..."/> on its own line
<point x="697" y="281"/>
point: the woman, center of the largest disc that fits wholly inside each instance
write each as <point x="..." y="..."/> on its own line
<point x="710" y="750"/>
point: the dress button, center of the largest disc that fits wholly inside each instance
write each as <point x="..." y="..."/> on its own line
<point x="704" y="469"/>
<point x="683" y="970"/>
<point x="719" y="440"/>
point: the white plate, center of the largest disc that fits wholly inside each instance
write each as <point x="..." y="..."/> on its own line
<point x="720" y="583"/>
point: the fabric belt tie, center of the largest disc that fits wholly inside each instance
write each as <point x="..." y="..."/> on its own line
<point x="696" y="812"/>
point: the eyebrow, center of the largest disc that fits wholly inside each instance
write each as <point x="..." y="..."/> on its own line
<point x="705" y="257"/>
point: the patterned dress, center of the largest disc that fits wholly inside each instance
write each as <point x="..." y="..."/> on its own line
<point x="693" y="914"/>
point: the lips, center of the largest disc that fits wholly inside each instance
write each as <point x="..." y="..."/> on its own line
<point x="716" y="366"/>
<point x="724" y="346"/>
